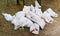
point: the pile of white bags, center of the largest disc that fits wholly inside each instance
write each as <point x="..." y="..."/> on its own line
<point x="31" y="17"/>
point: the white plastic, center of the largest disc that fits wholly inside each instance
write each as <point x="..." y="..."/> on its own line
<point x="36" y="19"/>
<point x="20" y="14"/>
<point x="23" y="21"/>
<point x="52" y="13"/>
<point x="37" y="5"/>
<point x="32" y="8"/>
<point x="8" y="17"/>
<point x="34" y="29"/>
<point x="47" y="17"/>
<point x="26" y="8"/>
<point x="38" y="12"/>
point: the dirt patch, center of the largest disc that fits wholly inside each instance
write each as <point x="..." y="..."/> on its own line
<point x="6" y="28"/>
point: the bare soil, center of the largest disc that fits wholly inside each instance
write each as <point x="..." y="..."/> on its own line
<point x="6" y="28"/>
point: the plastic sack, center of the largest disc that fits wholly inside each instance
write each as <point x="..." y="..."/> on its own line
<point x="34" y="29"/>
<point x="37" y="4"/>
<point x="38" y="12"/>
<point x="26" y="8"/>
<point x="47" y="17"/>
<point x="8" y="17"/>
<point x="36" y="19"/>
<point x="51" y="12"/>
<point x="23" y="21"/>
<point x="20" y="14"/>
<point x="32" y="8"/>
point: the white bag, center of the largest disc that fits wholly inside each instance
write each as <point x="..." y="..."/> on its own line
<point x="51" y="12"/>
<point x="23" y="21"/>
<point x="32" y="8"/>
<point x="37" y="4"/>
<point x="34" y="29"/>
<point x="20" y="14"/>
<point x="36" y="19"/>
<point x="8" y="17"/>
<point x="47" y="17"/>
<point x="38" y="12"/>
<point x="26" y="8"/>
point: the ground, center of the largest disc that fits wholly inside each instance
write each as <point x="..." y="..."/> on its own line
<point x="6" y="28"/>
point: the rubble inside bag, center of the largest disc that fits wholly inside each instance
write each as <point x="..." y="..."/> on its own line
<point x="34" y="29"/>
<point x="38" y="12"/>
<point x="42" y="15"/>
<point x="26" y="8"/>
<point x="31" y="17"/>
<point x="51" y="12"/>
<point x="20" y="23"/>
<point x="20" y="14"/>
<point x="47" y="17"/>
<point x="19" y="17"/>
<point x="36" y="19"/>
